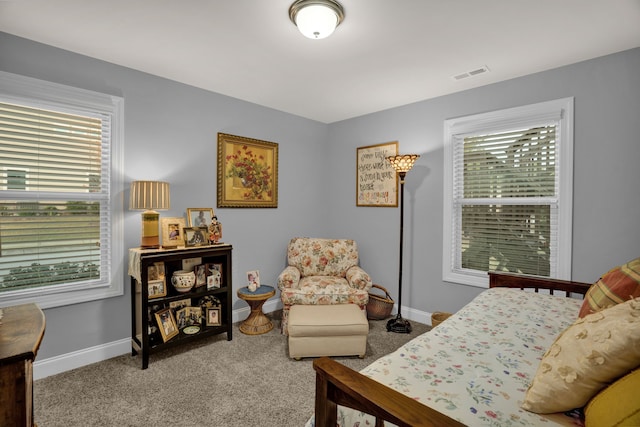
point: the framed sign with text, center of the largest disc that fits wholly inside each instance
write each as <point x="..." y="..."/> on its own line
<point x="376" y="180"/>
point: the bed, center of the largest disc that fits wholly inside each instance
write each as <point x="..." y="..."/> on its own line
<point x="472" y="369"/>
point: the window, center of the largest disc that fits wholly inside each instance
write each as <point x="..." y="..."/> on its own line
<point x="508" y="193"/>
<point x="60" y="169"/>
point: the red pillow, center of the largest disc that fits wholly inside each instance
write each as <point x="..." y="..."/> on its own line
<point x="618" y="285"/>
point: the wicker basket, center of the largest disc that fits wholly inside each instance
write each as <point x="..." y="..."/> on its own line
<point x="439" y="317"/>
<point x="379" y="307"/>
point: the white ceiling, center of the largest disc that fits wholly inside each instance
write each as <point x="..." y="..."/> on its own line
<point x="386" y="53"/>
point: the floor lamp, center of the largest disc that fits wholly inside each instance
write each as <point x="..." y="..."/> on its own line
<point x="402" y="164"/>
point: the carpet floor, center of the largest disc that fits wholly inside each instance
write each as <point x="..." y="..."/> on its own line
<point x="248" y="381"/>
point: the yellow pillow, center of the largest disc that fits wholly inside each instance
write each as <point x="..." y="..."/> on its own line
<point x="616" y="405"/>
<point x="587" y="356"/>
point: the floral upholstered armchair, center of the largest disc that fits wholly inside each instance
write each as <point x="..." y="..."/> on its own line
<point x="322" y="271"/>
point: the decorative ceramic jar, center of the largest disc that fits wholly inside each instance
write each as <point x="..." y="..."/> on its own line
<point x="183" y="280"/>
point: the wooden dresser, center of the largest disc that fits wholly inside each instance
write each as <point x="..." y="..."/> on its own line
<point x="21" y="331"/>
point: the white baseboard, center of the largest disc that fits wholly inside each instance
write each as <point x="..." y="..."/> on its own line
<point x="419" y="316"/>
<point x="242" y="313"/>
<point x="76" y="359"/>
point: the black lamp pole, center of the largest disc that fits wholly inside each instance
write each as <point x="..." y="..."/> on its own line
<point x="399" y="324"/>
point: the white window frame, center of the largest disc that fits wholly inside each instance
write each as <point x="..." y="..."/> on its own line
<point x="17" y="89"/>
<point x="558" y="111"/>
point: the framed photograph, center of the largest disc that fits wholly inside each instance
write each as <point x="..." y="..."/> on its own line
<point x="159" y="269"/>
<point x="201" y="275"/>
<point x="214" y="280"/>
<point x="213" y="317"/>
<point x="199" y="217"/>
<point x="195" y="236"/>
<point x="214" y="267"/>
<point x="177" y="305"/>
<point x="157" y="288"/>
<point x="376" y="179"/>
<point x="172" y="232"/>
<point x="188" y="316"/>
<point x="247" y="172"/>
<point x="155" y="271"/>
<point x="194" y="315"/>
<point x="253" y="278"/>
<point x="189" y="264"/>
<point x="166" y="324"/>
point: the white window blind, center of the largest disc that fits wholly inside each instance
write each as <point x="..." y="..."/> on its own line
<point x="508" y="194"/>
<point x="50" y="224"/>
<point x="505" y="191"/>
<point x="56" y="228"/>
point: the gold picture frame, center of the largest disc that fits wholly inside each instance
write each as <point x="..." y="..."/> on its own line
<point x="157" y="288"/>
<point x="376" y="179"/>
<point x="195" y="236"/>
<point x="213" y="317"/>
<point x="167" y="324"/>
<point x="172" y="232"/>
<point x="247" y="172"/>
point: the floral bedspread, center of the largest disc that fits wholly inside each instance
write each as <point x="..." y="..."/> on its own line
<point x="476" y="366"/>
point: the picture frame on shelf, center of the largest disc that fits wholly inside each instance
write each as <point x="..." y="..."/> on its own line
<point x="159" y="268"/>
<point x="188" y="316"/>
<point x="172" y="232"/>
<point x="211" y="269"/>
<point x="157" y="288"/>
<point x="214" y="267"/>
<point x="189" y="264"/>
<point x="166" y="324"/>
<point x="214" y="280"/>
<point x="195" y="236"/>
<point x="177" y="305"/>
<point x="199" y="217"/>
<point x="376" y="179"/>
<point x="247" y="172"/>
<point x="155" y="271"/>
<point x="201" y="275"/>
<point x="213" y="317"/>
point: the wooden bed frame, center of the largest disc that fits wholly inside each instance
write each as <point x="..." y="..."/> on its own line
<point x="338" y="385"/>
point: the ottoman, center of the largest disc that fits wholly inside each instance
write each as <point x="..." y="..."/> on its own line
<point x="327" y="330"/>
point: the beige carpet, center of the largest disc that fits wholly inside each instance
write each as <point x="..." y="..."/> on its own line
<point x="249" y="381"/>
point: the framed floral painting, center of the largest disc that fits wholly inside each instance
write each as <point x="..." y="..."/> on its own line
<point x="247" y="172"/>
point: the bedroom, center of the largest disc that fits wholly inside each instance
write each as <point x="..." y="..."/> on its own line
<point x="317" y="169"/>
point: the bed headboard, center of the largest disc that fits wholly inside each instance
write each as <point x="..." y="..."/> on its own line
<point x="522" y="281"/>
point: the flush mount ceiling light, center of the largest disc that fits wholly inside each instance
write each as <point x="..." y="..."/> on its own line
<point x="316" y="19"/>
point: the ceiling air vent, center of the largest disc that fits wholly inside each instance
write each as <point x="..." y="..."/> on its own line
<point x="472" y="73"/>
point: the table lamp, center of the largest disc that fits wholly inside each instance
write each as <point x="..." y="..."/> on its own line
<point x="149" y="196"/>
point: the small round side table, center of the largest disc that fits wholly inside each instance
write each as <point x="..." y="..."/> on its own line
<point x="257" y="323"/>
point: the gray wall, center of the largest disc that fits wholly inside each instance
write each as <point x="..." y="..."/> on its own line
<point x="170" y="134"/>
<point x="606" y="197"/>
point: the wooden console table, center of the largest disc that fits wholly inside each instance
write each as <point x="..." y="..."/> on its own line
<point x="21" y="332"/>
